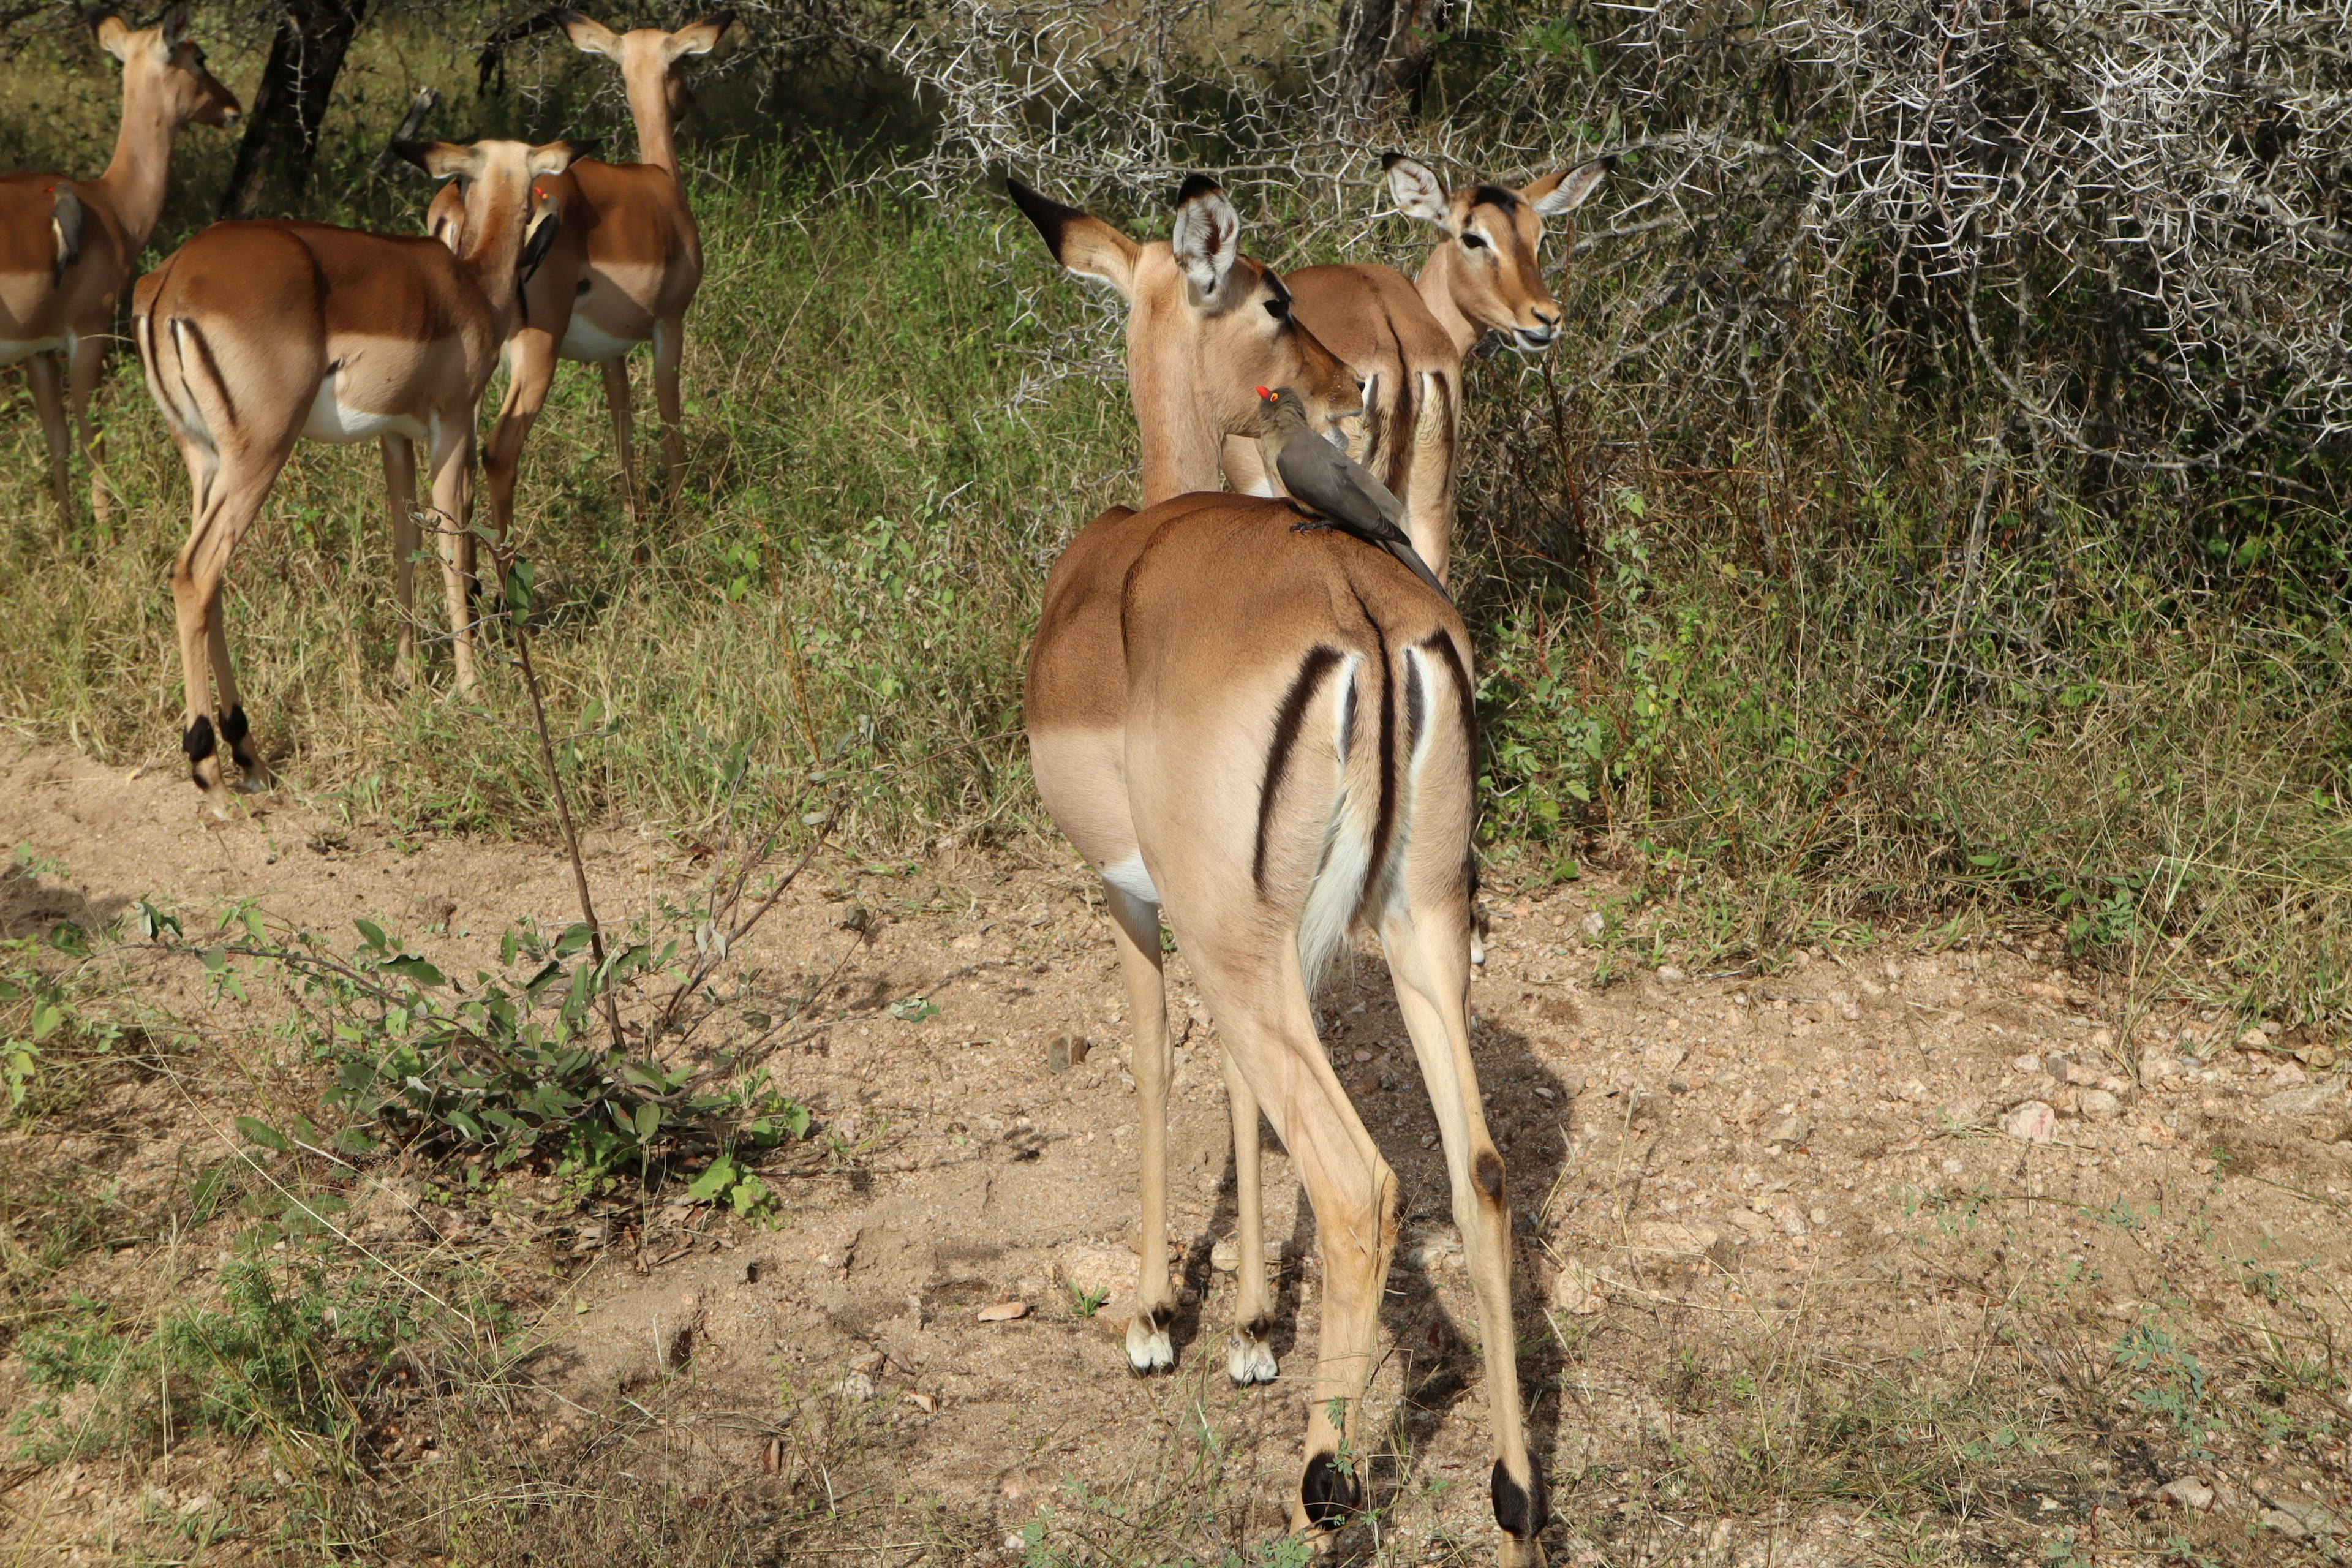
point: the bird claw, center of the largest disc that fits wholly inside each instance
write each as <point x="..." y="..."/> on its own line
<point x="1310" y="526"/>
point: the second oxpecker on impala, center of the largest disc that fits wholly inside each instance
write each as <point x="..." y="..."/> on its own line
<point x="1321" y="479"/>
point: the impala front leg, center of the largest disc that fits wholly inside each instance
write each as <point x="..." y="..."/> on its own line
<point x="1136" y="925"/>
<point x="453" y="506"/>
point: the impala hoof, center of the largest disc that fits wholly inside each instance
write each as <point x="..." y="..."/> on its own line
<point x="1149" y="1347"/>
<point x="1249" y="1360"/>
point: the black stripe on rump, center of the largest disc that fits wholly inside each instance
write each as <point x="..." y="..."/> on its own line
<point x="1384" y="823"/>
<point x="1320" y="662"/>
<point x="1441" y="645"/>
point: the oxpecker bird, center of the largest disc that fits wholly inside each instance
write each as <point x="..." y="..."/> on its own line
<point x="1324" y="481"/>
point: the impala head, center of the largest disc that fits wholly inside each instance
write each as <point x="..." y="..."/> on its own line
<point x="162" y="65"/>
<point x="1493" y="234"/>
<point x="648" y="57"/>
<point x="496" y="189"/>
<point x="1206" y="325"/>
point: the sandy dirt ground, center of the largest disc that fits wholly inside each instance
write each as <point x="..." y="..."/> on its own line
<point x="1937" y="1193"/>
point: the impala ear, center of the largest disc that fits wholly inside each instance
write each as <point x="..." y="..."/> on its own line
<point x="589" y="35"/>
<point x="555" y="157"/>
<point x="1086" y="245"/>
<point x="1208" y="237"/>
<point x="445" y="220"/>
<point x="695" y="37"/>
<point x="1416" y="192"/>
<point x="442" y="160"/>
<point x="174" y="26"/>
<point x="113" y="34"/>
<point x="1556" y="194"/>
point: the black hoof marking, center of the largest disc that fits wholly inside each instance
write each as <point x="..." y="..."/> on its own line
<point x="234" y="730"/>
<point x="1256" y="1330"/>
<point x="1521" y="1512"/>
<point x="198" y="744"/>
<point x="1331" y="1496"/>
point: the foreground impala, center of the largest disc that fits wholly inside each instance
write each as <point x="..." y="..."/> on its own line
<point x="66" y="246"/>
<point x="622" y="272"/>
<point x="1270" y="735"/>
<point x="256" y="334"/>
<point x="1406" y="338"/>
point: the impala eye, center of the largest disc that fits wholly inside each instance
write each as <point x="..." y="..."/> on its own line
<point x="1278" y="308"/>
<point x="1473" y="240"/>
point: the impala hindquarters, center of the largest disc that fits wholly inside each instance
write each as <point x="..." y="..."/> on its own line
<point x="1270" y="735"/>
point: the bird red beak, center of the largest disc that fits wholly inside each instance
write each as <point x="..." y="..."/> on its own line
<point x="1262" y="391"/>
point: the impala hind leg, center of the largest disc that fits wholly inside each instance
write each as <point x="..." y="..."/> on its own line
<point x="1135" y="922"/>
<point x="82" y="370"/>
<point x="228" y="498"/>
<point x="45" y="371"/>
<point x="1429" y="955"/>
<point x="1249" y="1356"/>
<point x="616" y="399"/>
<point x="400" y="486"/>
<point x="669" y="353"/>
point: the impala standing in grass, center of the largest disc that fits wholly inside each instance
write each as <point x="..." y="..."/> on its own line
<point x="254" y="335"/>
<point x="67" y="247"/>
<point x="623" y="271"/>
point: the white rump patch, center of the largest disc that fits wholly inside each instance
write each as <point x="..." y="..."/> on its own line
<point x="333" y="421"/>
<point x="1346" y="854"/>
<point x="1129" y="878"/>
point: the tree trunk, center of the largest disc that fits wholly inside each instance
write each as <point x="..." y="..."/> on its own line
<point x="281" y="131"/>
<point x="1384" y="45"/>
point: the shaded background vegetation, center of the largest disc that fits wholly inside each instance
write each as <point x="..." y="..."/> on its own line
<point x="1935" y="510"/>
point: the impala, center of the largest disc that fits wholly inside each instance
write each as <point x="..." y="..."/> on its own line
<point x="1406" y="338"/>
<point x="624" y="270"/>
<point x="256" y="334"/>
<point x="1270" y="735"/>
<point x="67" y="247"/>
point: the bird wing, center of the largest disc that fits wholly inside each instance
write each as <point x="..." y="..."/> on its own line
<point x="1381" y="499"/>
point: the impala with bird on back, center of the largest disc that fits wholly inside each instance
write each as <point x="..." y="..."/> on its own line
<point x="1270" y="733"/>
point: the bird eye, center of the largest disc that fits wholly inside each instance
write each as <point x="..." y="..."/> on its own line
<point x="1473" y="240"/>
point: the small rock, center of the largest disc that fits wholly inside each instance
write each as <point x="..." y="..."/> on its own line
<point x="1788" y="1132"/>
<point x="1662" y="1058"/>
<point x="2031" y="1122"/>
<point x="1004" y="1311"/>
<point x="2186" y="1491"/>
<point x="2029" y="1062"/>
<point x="1225" y="1256"/>
<point x="1575" y="1289"/>
<point x="2066" y="1070"/>
<point x="1064" y="1052"/>
<point x="2102" y="1038"/>
<point x="855" y="1387"/>
<point x="2098" y="1104"/>
<point x="1750" y="1225"/>
<point x="2255" y="1039"/>
<point x="1787" y="1214"/>
<point x="2154" y="1068"/>
<point x="2309" y="1518"/>
<point x="1670" y="975"/>
<point x="1961" y="1113"/>
<point x="1103" y="1271"/>
<point x="1594" y="924"/>
<point x="1434" y="1248"/>
<point x="1847" y="1007"/>
<point x="2299" y="1102"/>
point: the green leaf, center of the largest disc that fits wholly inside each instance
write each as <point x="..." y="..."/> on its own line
<point x="520" y="580"/>
<point x="261" y="1132"/>
<point x="720" y="1174"/>
<point x="649" y="1120"/>
<point x="371" y="933"/>
<point x="415" y="969"/>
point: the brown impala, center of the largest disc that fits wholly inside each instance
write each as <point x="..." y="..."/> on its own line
<point x="623" y="270"/>
<point x="1270" y="735"/>
<point x="256" y="334"/>
<point x="67" y="247"/>
<point x="1406" y="338"/>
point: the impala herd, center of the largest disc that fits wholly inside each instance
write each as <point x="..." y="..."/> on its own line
<point x="1268" y="733"/>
